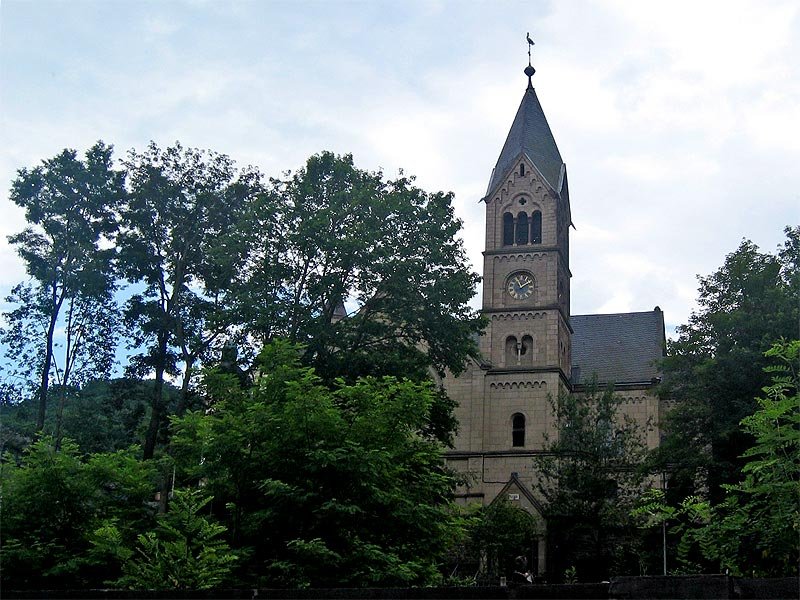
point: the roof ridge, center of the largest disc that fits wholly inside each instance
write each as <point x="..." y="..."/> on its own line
<point x="633" y="312"/>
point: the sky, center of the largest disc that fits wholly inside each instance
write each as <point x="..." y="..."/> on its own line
<point x="679" y="121"/>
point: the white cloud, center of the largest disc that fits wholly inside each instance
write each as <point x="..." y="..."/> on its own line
<point x="661" y="168"/>
<point x="158" y="25"/>
<point x="716" y="33"/>
<point x="774" y="122"/>
<point x="677" y="119"/>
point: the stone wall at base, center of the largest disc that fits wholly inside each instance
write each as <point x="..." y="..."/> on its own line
<point x="670" y="586"/>
<point x="703" y="586"/>
<point x="785" y="587"/>
<point x="673" y="586"/>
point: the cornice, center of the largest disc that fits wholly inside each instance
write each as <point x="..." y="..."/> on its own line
<point x="531" y="249"/>
<point x="460" y="454"/>
<point x="494" y="371"/>
<point x="519" y="309"/>
<point x="618" y="387"/>
<point x="532" y="311"/>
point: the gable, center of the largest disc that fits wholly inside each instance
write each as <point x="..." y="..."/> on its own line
<point x="520" y="496"/>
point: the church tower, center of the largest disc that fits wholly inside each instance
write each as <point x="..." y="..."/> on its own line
<point x="526" y="261"/>
<point x="504" y="409"/>
<point x="533" y="349"/>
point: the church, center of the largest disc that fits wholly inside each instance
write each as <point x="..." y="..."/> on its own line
<point x="533" y="349"/>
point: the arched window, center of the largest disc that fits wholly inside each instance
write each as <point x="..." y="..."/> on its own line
<point x="526" y="350"/>
<point x="518" y="430"/>
<point x="508" y="229"/>
<point x="512" y="351"/>
<point x="522" y="169"/>
<point x="522" y="229"/>
<point x="536" y="227"/>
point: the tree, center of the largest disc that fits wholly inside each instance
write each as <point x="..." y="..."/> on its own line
<point x="182" y="210"/>
<point x="332" y="235"/>
<point x="184" y="552"/>
<point x="590" y="477"/>
<point x="52" y="504"/>
<point x="755" y="526"/>
<point x="321" y="486"/>
<point x="680" y="528"/>
<point x="497" y="535"/>
<point x="100" y="416"/>
<point x="43" y="515"/>
<point x="714" y="369"/>
<point x="70" y="208"/>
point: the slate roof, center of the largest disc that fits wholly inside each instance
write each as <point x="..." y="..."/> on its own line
<point x="620" y="348"/>
<point x="529" y="134"/>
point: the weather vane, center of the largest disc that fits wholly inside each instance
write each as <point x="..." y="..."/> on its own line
<point x="529" y="70"/>
<point x="530" y="43"/>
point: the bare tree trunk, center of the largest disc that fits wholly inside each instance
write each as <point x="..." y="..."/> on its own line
<point x="187" y="376"/>
<point x="48" y="360"/>
<point x="157" y="413"/>
<point x="48" y="357"/>
<point x="62" y="397"/>
<point x="45" y="381"/>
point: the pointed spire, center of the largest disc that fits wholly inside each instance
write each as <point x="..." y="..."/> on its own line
<point x="339" y="313"/>
<point x="530" y="136"/>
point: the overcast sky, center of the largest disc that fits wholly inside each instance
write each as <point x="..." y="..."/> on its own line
<point x="679" y="121"/>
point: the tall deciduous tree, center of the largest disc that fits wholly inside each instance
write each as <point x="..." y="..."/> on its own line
<point x="70" y="207"/>
<point x="714" y="369"/>
<point x="590" y="479"/>
<point x="333" y="235"/>
<point x="175" y="230"/>
<point x="754" y="529"/>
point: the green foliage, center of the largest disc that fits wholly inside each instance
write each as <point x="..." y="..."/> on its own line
<point x="44" y="511"/>
<point x="497" y="535"/>
<point x="715" y="368"/>
<point x="754" y="529"/>
<point x="332" y="233"/>
<point x="52" y="504"/>
<point x="320" y="486"/>
<point x="219" y="259"/>
<point x="327" y="468"/>
<point x="571" y="575"/>
<point x="101" y="416"/>
<point x="184" y="552"/>
<point x="684" y="524"/>
<point x="175" y="235"/>
<point x="776" y="424"/>
<point x="590" y="475"/>
<point x="69" y="207"/>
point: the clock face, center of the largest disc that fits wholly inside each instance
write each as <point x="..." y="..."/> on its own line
<point x="520" y="285"/>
